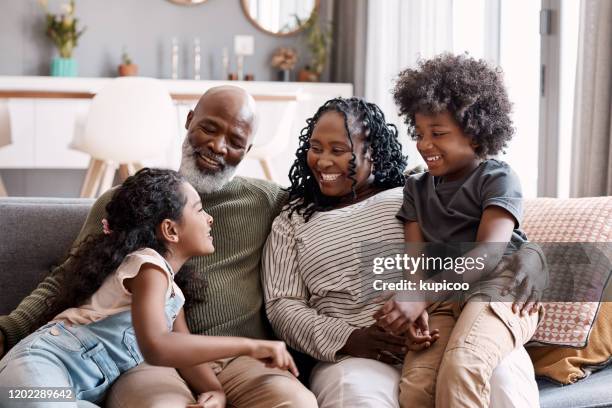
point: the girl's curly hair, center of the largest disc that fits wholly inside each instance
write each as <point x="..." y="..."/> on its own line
<point x="360" y="117"/>
<point x="471" y="90"/>
<point x="135" y="211"/>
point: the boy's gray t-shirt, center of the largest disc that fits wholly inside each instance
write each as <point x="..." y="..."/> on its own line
<point x="450" y="212"/>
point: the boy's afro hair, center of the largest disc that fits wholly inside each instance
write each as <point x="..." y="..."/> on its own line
<point x="471" y="90"/>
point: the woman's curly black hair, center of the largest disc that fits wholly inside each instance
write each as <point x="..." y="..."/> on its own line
<point x="135" y="211"/>
<point x="360" y="117"/>
<point x="471" y="90"/>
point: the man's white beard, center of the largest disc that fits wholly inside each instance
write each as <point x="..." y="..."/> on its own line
<point x="203" y="182"/>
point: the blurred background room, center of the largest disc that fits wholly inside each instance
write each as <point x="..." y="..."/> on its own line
<point x="91" y="90"/>
<point x="291" y="55"/>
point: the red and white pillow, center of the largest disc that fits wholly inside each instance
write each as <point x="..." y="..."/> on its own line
<point x="577" y="220"/>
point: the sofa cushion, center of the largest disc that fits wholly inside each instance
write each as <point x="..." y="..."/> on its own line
<point x="567" y="365"/>
<point x="594" y="391"/>
<point x="579" y="220"/>
<point x="36" y="234"/>
<point x="572" y="220"/>
<point x="568" y="220"/>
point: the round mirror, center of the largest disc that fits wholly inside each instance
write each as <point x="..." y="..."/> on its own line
<point x="279" y="17"/>
<point x="187" y="2"/>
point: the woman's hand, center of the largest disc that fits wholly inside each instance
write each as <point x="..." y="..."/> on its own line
<point x="373" y="342"/>
<point x="211" y="399"/>
<point x="274" y="354"/>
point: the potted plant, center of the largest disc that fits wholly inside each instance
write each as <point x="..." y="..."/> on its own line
<point x="127" y="67"/>
<point x="318" y="41"/>
<point x="62" y="30"/>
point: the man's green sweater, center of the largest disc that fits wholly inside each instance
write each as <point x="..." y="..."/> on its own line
<point x="243" y="211"/>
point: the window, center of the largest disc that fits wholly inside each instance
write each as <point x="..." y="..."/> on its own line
<point x="530" y="43"/>
<point x="507" y="33"/>
<point x="570" y="15"/>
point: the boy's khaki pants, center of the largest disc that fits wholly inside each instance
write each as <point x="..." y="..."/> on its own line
<point x="455" y="371"/>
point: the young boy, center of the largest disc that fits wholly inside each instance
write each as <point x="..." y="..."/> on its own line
<point x="457" y="110"/>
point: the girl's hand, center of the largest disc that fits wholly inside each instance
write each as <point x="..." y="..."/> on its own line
<point x="211" y="399"/>
<point x="274" y="354"/>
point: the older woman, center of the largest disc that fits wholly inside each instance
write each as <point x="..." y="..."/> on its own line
<point x="344" y="194"/>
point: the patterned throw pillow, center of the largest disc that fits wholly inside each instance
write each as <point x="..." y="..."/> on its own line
<point x="567" y="365"/>
<point x="578" y="220"/>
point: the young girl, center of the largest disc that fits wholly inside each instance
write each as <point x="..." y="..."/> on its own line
<point x="457" y="110"/>
<point x="127" y="305"/>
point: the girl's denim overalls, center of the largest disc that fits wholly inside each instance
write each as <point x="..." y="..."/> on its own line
<point x="86" y="358"/>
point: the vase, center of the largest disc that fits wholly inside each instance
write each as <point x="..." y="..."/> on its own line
<point x="64" y="67"/>
<point x="284" y="75"/>
<point x="307" y="76"/>
<point x="128" y="70"/>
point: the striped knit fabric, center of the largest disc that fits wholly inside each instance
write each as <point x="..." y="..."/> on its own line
<point x="243" y="212"/>
<point x="313" y="272"/>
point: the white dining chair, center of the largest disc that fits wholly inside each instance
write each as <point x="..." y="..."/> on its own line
<point x="130" y="120"/>
<point x="273" y="134"/>
<point x="5" y="134"/>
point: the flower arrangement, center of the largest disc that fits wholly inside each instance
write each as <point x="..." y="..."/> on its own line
<point x="62" y="28"/>
<point x="284" y="58"/>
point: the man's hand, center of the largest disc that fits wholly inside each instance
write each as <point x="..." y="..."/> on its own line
<point x="530" y="279"/>
<point x="373" y="342"/>
<point x="1" y="344"/>
<point x="211" y="399"/>
<point x="396" y="316"/>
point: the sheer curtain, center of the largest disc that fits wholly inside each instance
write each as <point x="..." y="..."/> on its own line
<point x="399" y="33"/>
<point x="592" y="131"/>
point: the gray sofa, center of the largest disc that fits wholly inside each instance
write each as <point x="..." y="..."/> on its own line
<point x="37" y="232"/>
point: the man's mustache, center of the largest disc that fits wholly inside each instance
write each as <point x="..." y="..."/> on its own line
<point x="207" y="153"/>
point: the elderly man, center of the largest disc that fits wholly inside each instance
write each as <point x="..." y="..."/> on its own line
<point x="220" y="133"/>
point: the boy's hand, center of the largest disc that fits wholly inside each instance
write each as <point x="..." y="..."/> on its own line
<point x="418" y="334"/>
<point x="397" y="316"/>
<point x="211" y="399"/>
<point x="274" y="354"/>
